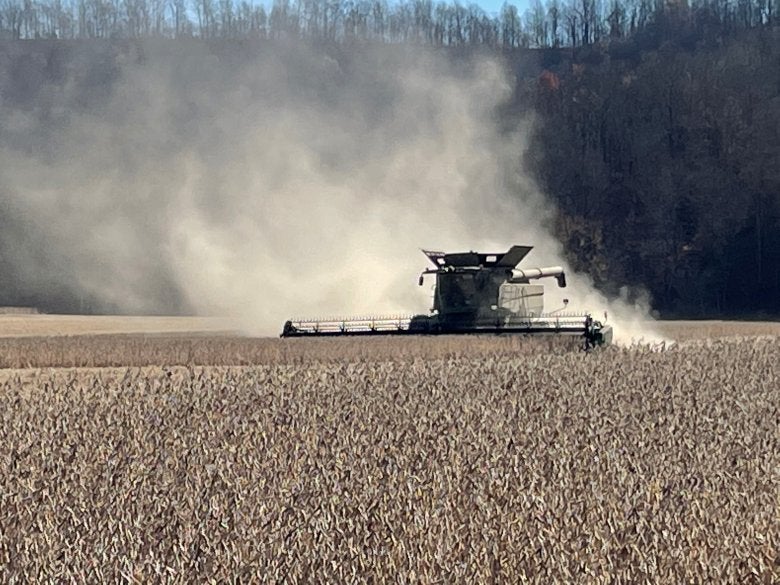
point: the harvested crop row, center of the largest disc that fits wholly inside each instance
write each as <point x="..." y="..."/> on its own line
<point x="224" y="350"/>
<point x="625" y="465"/>
<point x="132" y="350"/>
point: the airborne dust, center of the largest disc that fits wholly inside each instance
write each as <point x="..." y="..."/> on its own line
<point x="267" y="184"/>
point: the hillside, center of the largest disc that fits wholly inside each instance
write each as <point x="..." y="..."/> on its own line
<point x="661" y="155"/>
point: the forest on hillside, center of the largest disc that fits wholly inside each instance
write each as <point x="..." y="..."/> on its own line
<point x="657" y="124"/>
<point x="665" y="165"/>
<point x="554" y="23"/>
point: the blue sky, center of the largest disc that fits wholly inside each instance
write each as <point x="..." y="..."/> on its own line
<point x="491" y="6"/>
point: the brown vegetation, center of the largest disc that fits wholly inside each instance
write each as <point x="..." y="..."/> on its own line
<point x="415" y="460"/>
<point x="189" y="350"/>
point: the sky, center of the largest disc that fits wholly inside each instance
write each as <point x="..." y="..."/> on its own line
<point x="494" y="6"/>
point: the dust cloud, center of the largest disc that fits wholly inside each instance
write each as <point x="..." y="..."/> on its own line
<point x="273" y="183"/>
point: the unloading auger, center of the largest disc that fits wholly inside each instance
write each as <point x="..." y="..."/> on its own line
<point x="475" y="293"/>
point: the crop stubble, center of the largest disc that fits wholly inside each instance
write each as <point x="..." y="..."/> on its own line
<point x="413" y="460"/>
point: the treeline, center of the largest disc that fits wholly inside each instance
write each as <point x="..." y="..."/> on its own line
<point x="555" y="23"/>
<point x="665" y="166"/>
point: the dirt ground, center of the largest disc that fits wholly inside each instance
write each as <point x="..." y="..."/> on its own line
<point x="33" y="325"/>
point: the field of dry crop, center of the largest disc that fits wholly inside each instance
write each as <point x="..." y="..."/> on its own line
<point x="196" y="458"/>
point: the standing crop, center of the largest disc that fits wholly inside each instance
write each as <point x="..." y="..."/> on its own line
<point x="435" y="461"/>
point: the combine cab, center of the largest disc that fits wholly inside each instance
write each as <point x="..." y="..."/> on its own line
<point x="475" y="293"/>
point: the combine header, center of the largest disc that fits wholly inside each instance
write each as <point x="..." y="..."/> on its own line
<point x="475" y="293"/>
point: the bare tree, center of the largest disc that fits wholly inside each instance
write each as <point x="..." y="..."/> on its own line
<point x="554" y="17"/>
<point x="510" y="26"/>
<point x="12" y="18"/>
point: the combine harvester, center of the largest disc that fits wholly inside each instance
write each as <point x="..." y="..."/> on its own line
<point x="475" y="293"/>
